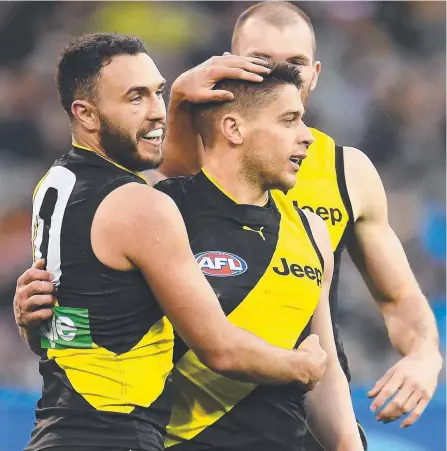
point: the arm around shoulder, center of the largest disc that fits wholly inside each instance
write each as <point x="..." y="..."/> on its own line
<point x="150" y="234"/>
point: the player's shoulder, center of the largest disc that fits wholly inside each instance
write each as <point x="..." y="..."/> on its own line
<point x="174" y="183"/>
<point x="362" y="179"/>
<point x="134" y="194"/>
<point x="67" y="160"/>
<point x="138" y="205"/>
<point x="355" y="157"/>
<point x="176" y="187"/>
<point x="355" y="162"/>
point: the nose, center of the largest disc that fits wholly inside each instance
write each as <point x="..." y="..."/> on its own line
<point x="157" y="109"/>
<point x="305" y="135"/>
<point x="304" y="139"/>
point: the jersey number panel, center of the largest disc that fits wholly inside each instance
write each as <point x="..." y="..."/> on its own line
<point x="49" y="204"/>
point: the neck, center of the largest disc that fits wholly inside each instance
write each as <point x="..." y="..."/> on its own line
<point x="232" y="177"/>
<point x="90" y="141"/>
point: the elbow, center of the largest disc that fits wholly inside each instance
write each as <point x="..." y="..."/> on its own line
<point x="222" y="360"/>
<point x="219" y="362"/>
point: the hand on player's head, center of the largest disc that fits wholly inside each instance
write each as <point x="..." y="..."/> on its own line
<point x="196" y="85"/>
<point x="33" y="299"/>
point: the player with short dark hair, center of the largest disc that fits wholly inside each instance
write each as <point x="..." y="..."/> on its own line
<point x="265" y="261"/>
<point x="120" y="259"/>
<point x="248" y="97"/>
<point x="339" y="184"/>
<point x="79" y="67"/>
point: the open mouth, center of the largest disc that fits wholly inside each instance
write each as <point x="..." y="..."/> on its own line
<point x="154" y="137"/>
<point x="296" y="162"/>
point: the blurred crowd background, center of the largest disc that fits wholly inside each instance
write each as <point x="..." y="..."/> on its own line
<point x="382" y="89"/>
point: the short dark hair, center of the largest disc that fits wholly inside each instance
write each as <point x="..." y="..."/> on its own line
<point x="278" y="14"/>
<point x="249" y="97"/>
<point x="83" y="58"/>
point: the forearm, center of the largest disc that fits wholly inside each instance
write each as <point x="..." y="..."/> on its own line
<point x="411" y="325"/>
<point x="329" y="413"/>
<point x="182" y="148"/>
<point x="248" y="358"/>
<point x="32" y="339"/>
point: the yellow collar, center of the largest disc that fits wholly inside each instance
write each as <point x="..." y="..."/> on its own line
<point x="107" y="159"/>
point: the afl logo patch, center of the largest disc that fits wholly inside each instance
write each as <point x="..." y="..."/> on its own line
<point x="220" y="264"/>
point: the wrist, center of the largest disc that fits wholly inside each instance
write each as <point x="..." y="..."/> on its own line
<point x="301" y="365"/>
<point x="429" y="352"/>
<point x="177" y="96"/>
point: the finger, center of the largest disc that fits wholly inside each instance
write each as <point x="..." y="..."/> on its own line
<point x="417" y="412"/>
<point x="252" y="65"/>
<point x="34" y="319"/>
<point x="39" y="264"/>
<point x="380" y="383"/>
<point x="41" y="315"/>
<point x="311" y="344"/>
<point x="220" y="95"/>
<point x="263" y="60"/>
<point x="256" y="67"/>
<point x="38" y="301"/>
<point x="313" y="337"/>
<point x="238" y="74"/>
<point x="39" y="287"/>
<point x="412" y="402"/>
<point x="395" y="408"/>
<point x="34" y="274"/>
<point x="255" y="60"/>
<point x="387" y="392"/>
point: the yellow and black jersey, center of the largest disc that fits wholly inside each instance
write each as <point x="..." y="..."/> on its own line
<point x="266" y="271"/>
<point x="321" y="188"/>
<point x="107" y="351"/>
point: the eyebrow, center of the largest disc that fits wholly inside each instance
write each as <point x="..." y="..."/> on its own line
<point x="292" y="59"/>
<point x="144" y="89"/>
<point x="259" y="55"/>
<point x="295" y="113"/>
<point x="302" y="58"/>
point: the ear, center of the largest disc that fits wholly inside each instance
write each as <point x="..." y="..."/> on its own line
<point x="231" y="127"/>
<point x="317" y="70"/>
<point x="86" y="115"/>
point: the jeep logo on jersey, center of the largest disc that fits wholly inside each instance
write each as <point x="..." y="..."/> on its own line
<point x="333" y="215"/>
<point x="299" y="271"/>
<point x="220" y="264"/>
<point x="68" y="328"/>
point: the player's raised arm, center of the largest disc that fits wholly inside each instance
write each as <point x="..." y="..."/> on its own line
<point x="149" y="233"/>
<point x="329" y="411"/>
<point x="379" y="256"/>
<point x="183" y="149"/>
